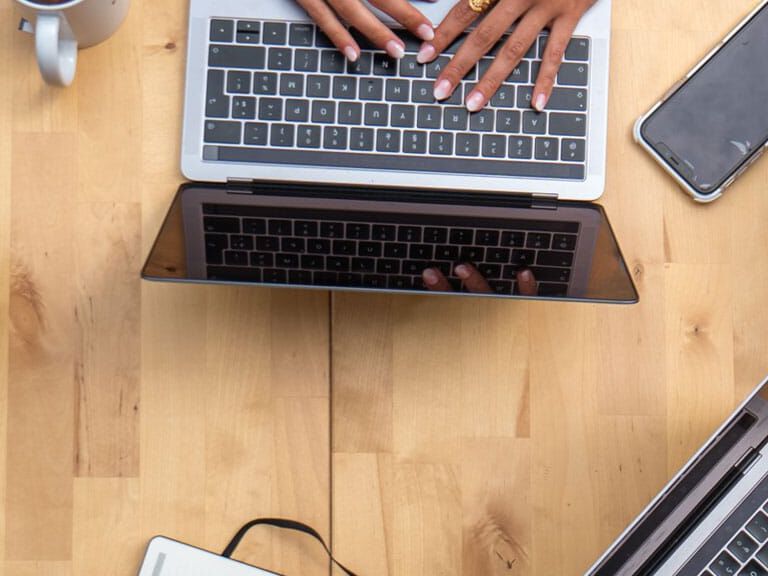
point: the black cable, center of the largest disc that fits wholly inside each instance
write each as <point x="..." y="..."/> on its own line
<point x="287" y="525"/>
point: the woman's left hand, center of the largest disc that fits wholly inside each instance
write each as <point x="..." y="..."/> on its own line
<point x="561" y="16"/>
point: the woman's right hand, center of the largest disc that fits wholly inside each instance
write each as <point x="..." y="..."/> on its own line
<point x="329" y="13"/>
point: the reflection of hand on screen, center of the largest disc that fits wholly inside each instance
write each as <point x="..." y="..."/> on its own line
<point x="473" y="281"/>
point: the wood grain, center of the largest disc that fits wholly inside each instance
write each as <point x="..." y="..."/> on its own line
<point x="419" y="435"/>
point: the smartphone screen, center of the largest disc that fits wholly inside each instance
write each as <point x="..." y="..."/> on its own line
<point x="715" y="121"/>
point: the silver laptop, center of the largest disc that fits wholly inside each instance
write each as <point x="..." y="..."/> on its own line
<point x="268" y="97"/>
<point x="314" y="172"/>
<point x="712" y="517"/>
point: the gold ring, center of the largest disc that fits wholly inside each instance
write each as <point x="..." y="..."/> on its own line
<point x="480" y="6"/>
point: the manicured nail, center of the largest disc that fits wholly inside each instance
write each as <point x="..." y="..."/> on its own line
<point x="524" y="276"/>
<point x="426" y="53"/>
<point x="462" y="271"/>
<point x="350" y="53"/>
<point x="395" y="50"/>
<point x="540" y="102"/>
<point x="430" y="277"/>
<point x="442" y="90"/>
<point x="425" y="32"/>
<point x="475" y="101"/>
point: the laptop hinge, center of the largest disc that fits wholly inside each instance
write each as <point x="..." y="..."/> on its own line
<point x="544" y="201"/>
<point x="240" y="185"/>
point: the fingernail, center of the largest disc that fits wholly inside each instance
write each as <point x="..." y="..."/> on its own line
<point x="426" y="53"/>
<point x="475" y="101"/>
<point x="442" y="90"/>
<point x="395" y="50"/>
<point x="425" y="32"/>
<point x="430" y="277"/>
<point x="462" y="271"/>
<point x="540" y="102"/>
<point x="524" y="275"/>
<point x="350" y="53"/>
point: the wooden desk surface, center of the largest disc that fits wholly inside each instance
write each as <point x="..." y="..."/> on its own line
<point x="422" y="435"/>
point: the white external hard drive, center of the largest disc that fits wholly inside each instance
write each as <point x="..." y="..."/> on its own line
<point x="166" y="557"/>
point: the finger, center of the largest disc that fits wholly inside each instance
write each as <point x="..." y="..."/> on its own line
<point x="357" y="15"/>
<point x="324" y="17"/>
<point x="472" y="279"/>
<point x="477" y="45"/>
<point x="510" y="55"/>
<point x="411" y="18"/>
<point x="434" y="280"/>
<point x="561" y="33"/>
<point x="454" y="24"/>
<point x="526" y="283"/>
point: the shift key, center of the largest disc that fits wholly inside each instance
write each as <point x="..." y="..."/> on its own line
<point x="227" y="56"/>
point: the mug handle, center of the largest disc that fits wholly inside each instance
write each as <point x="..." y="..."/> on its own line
<point x="56" y="49"/>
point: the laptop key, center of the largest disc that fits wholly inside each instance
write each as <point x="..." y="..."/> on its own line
<point x="376" y="114"/>
<point x="350" y="113"/>
<point x="216" y="103"/>
<point x="410" y="68"/>
<point x="568" y="124"/>
<point x="279" y="59"/>
<point x="508" y="121"/>
<point x="270" y="109"/>
<point x="501" y="286"/>
<point x="280" y="228"/>
<point x="287" y="260"/>
<point x="291" y="85"/>
<point x="397" y="90"/>
<point x="725" y="565"/>
<point x="523" y="257"/>
<point x="436" y="67"/>
<point x="568" y="242"/>
<point x="331" y="229"/>
<point x="299" y="277"/>
<point x="222" y="30"/>
<point x="403" y="116"/>
<point x="555" y="258"/>
<point x="344" y="87"/>
<point x="742" y="546"/>
<point x="369" y="249"/>
<point x="374" y="281"/>
<point x="568" y="99"/>
<point x="551" y="274"/>
<point x="221" y="132"/>
<point x="237" y="81"/>
<point x="305" y="60"/>
<point x="414" y="142"/>
<point x="318" y="86"/>
<point x="520" y="74"/>
<point x="313" y="262"/>
<point x="337" y="263"/>
<point x="441" y="143"/>
<point x="468" y="144"/>
<point x="578" y="49"/>
<point x="331" y="62"/>
<point x="372" y="89"/>
<point x="297" y="110"/>
<point x="573" y="74"/>
<point x="262" y="259"/>
<point x="282" y="135"/>
<point x="473" y="254"/>
<point x="248" y="26"/>
<point x="267" y="244"/>
<point x="481" y="121"/>
<point x="265" y="84"/>
<point x="450" y="253"/>
<point x="573" y="150"/>
<point x="308" y="136"/>
<point x="231" y="56"/>
<point x="512" y="239"/>
<point x="552" y="289"/>
<point x="500" y="255"/>
<point x="422" y="92"/>
<point x="236" y="258"/>
<point x="487" y="237"/>
<point x="455" y="118"/>
<point x="539" y="240"/>
<point x="301" y="34"/>
<point x="274" y="276"/>
<point x="244" y="107"/>
<point x="387" y="266"/>
<point x="363" y="265"/>
<point x="361" y="139"/>
<point x="383" y="65"/>
<point x="343" y="248"/>
<point x="504" y="97"/>
<point x="323" y="111"/>
<point x="520" y="147"/>
<point x="388" y="141"/>
<point x="221" y="224"/>
<point x="428" y="117"/>
<point x="758" y="528"/>
<point x="547" y="149"/>
<point x="462" y="236"/>
<point x="494" y="146"/>
<point x="275" y="33"/>
<point x="361" y="66"/>
<point x="335" y="138"/>
<point x="534" y="122"/>
<point x="322" y="278"/>
<point x="395" y="250"/>
<point x="319" y="246"/>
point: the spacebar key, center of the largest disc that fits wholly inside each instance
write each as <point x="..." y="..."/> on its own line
<point x="389" y="162"/>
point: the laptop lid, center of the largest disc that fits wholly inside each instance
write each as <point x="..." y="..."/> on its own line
<point x="596" y="272"/>
<point x="707" y="489"/>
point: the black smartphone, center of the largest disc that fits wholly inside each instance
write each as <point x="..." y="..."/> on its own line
<point x="712" y="124"/>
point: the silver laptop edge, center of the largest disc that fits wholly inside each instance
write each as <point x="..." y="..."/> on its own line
<point x="596" y="24"/>
<point x="757" y="405"/>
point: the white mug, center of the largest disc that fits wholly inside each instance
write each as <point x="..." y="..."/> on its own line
<point x="60" y="28"/>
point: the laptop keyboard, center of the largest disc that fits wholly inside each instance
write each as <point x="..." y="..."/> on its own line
<point x="281" y="93"/>
<point x="382" y="250"/>
<point x="746" y="554"/>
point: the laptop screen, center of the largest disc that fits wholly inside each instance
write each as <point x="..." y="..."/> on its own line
<point x="395" y="241"/>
